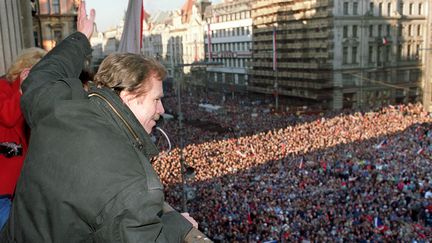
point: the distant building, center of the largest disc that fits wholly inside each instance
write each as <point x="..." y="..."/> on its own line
<point x="176" y="37"/>
<point x="427" y="64"/>
<point x="342" y="53"/>
<point x="228" y="41"/>
<point x="53" y="20"/>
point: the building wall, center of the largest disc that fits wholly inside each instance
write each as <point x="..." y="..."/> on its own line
<point x="303" y="40"/>
<point x="15" y="31"/>
<point x="54" y="20"/>
<point x="228" y="41"/>
<point x="377" y="52"/>
<point x="427" y="64"/>
<point x="341" y="53"/>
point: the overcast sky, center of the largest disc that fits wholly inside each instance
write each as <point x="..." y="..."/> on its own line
<point x="109" y="13"/>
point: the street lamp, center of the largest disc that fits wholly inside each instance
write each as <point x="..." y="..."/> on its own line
<point x="187" y="172"/>
<point x="182" y="164"/>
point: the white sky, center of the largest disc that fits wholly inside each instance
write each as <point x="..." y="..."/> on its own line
<point x="109" y="13"/>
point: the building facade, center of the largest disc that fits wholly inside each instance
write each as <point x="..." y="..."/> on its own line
<point x="427" y="57"/>
<point x="176" y="37"/>
<point x="338" y="54"/>
<point x="53" y="20"/>
<point x="228" y="41"/>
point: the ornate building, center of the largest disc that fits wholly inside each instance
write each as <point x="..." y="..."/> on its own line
<point x="176" y="37"/>
<point x="53" y="21"/>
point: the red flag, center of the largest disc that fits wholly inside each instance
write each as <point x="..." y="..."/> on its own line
<point x="249" y="218"/>
<point x="131" y="39"/>
<point x="420" y="151"/>
<point x="301" y="164"/>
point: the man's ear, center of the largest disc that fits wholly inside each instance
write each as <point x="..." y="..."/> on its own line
<point x="126" y="96"/>
<point x="24" y="73"/>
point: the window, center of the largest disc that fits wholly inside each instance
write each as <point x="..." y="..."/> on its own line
<point x="354" y="55"/>
<point x="389" y="9"/>
<point x="378" y="54"/>
<point x="420" y="10"/>
<point x="379" y="30"/>
<point x="371" y="8"/>
<point x="380" y="5"/>
<point x="409" y="30"/>
<point x="58" y="36"/>
<point x="388" y="27"/>
<point x="355" y="8"/>
<point x="55" y="7"/>
<point x="387" y="53"/>
<point x="371" y="54"/>
<point x="345" y="55"/>
<point x="345" y="8"/>
<point x="401" y="6"/>
<point x="400" y="30"/>
<point x="410" y="10"/>
<point x="354" y="31"/>
<point x="345" y="31"/>
<point x="370" y="30"/>
<point x="408" y="52"/>
<point x="419" y="30"/>
<point x="417" y="56"/>
<point x="399" y="53"/>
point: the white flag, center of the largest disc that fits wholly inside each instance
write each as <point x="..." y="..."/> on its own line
<point x="131" y="39"/>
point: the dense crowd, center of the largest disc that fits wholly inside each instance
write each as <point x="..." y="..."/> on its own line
<point x="355" y="176"/>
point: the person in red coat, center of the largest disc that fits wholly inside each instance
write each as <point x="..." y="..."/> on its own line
<point x="12" y="125"/>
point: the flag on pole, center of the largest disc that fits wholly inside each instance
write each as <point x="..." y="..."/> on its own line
<point x="241" y="154"/>
<point x="381" y="144"/>
<point x="384" y="41"/>
<point x="420" y="151"/>
<point x="131" y="39"/>
<point x="274" y="50"/>
<point x="301" y="163"/>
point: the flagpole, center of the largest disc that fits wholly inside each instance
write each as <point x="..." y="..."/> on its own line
<point x="275" y="69"/>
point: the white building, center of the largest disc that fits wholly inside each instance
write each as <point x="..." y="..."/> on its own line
<point x="176" y="37"/>
<point x="228" y="40"/>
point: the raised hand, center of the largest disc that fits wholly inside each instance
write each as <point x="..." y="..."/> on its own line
<point x="85" y="23"/>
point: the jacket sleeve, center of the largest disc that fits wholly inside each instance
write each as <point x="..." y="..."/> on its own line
<point x="135" y="215"/>
<point x="10" y="110"/>
<point x="55" y="77"/>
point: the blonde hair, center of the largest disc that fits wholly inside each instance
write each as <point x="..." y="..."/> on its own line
<point x="27" y="58"/>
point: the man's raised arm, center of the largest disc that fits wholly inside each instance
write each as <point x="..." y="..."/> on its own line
<point x="55" y="77"/>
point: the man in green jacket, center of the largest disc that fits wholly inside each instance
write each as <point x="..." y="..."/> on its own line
<point x="87" y="176"/>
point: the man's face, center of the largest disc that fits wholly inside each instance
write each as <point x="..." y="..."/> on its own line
<point x="148" y="107"/>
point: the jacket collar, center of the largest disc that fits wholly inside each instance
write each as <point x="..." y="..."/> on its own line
<point x="123" y="115"/>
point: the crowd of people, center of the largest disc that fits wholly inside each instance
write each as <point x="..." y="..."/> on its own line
<point x="352" y="176"/>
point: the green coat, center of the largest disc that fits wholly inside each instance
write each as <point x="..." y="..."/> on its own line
<point x="87" y="175"/>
